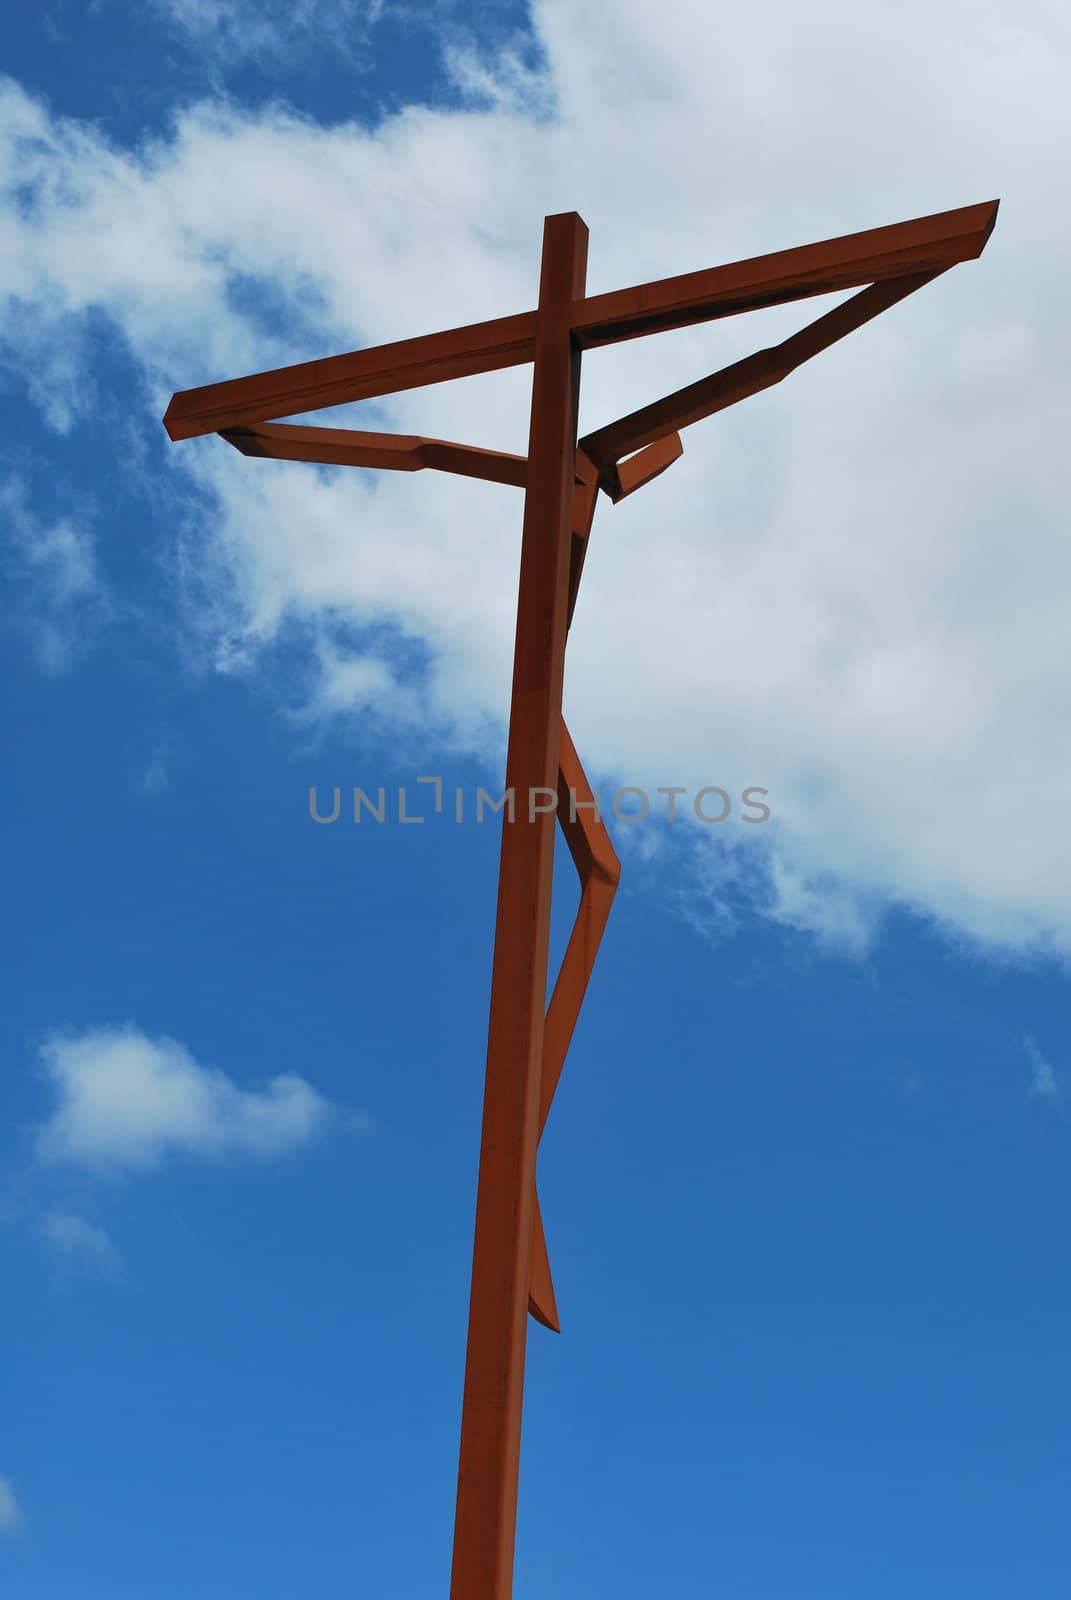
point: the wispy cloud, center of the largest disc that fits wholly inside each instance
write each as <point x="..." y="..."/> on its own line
<point x="125" y="1101"/>
<point x="734" y="875"/>
<point x="1046" y="1084"/>
<point x="79" y="1243"/>
<point x="156" y="776"/>
<point x="273" y="30"/>
<point x="10" y="1511"/>
<point x="62" y="599"/>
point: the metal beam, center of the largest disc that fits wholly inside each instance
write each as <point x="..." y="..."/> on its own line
<point x="485" y="1526"/>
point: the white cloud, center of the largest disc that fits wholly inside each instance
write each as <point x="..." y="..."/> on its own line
<point x="851" y="591"/>
<point x="10" y="1512"/>
<point x="61" y="598"/>
<point x="833" y="914"/>
<point x="125" y="1100"/>
<point x="79" y="1242"/>
<point x="1046" y="1084"/>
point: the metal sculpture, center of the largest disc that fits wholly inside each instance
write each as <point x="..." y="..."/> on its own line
<point x="561" y="477"/>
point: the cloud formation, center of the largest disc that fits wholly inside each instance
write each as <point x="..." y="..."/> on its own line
<point x="10" y="1512"/>
<point x="1046" y="1084"/>
<point x="79" y="1243"/>
<point x="125" y="1101"/>
<point x="61" y="599"/>
<point x="275" y="28"/>
<point x="852" y="590"/>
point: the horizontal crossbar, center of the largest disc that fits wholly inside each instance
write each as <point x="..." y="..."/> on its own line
<point x="925" y="244"/>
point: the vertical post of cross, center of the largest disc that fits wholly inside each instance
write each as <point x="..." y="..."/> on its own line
<point x="485" y="1526"/>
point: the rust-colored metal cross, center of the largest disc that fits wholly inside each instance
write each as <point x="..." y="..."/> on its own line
<point x="561" y="477"/>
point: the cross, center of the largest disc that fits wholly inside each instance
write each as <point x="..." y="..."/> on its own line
<point x="562" y="478"/>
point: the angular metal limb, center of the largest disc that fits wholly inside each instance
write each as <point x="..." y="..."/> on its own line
<point x="407" y="452"/>
<point x="607" y="445"/>
<point x="596" y="864"/>
<point x="541" y="1302"/>
<point x="636" y="470"/>
<point x="599" y="871"/>
<point x="398" y="452"/>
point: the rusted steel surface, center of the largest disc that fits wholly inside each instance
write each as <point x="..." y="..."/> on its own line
<point x="743" y="378"/>
<point x="562" y="477"/>
<point x="927" y="244"/>
<point x="360" y="375"/>
<point x="494" y="1370"/>
<point x="398" y="452"/>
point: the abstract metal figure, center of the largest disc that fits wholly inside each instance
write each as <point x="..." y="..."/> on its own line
<point x="561" y="477"/>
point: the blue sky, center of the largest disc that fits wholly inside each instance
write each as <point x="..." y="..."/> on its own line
<point x="805" y="1183"/>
